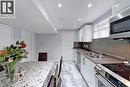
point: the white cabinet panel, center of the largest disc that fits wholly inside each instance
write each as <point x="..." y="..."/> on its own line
<point x="87" y="70"/>
<point x="120" y="5"/>
<point x="75" y="56"/>
<point x="83" y="67"/>
<point x="91" y="73"/>
<point x="102" y="29"/>
<point x="80" y="34"/>
<point x="102" y="33"/>
<point x="85" y="34"/>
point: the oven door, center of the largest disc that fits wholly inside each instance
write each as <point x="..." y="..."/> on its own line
<point x="102" y="82"/>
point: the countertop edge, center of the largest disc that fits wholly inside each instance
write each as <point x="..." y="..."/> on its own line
<point x="91" y="59"/>
<point x="123" y="80"/>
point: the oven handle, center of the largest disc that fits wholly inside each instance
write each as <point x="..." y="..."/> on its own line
<point x="104" y="81"/>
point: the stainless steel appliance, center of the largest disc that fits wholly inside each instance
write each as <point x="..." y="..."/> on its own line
<point x="104" y="79"/>
<point x="120" y="25"/>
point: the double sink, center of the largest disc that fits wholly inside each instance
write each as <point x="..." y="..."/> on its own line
<point x="100" y="57"/>
<point x="94" y="55"/>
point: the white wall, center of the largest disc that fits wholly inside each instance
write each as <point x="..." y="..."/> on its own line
<point x="30" y="40"/>
<point x="9" y="35"/>
<point x="16" y="34"/>
<point x="68" y="38"/>
<point x="50" y="43"/>
<point x="5" y="35"/>
<point x="57" y="45"/>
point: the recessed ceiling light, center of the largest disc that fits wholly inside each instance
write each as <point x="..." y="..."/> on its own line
<point x="59" y="5"/>
<point x="79" y="19"/>
<point x="89" y="5"/>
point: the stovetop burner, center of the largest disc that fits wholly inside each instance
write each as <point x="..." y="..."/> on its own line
<point x="120" y="69"/>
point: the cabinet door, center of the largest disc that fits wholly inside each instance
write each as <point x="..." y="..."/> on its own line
<point x="121" y="5"/>
<point x="91" y="73"/>
<point x="85" y="34"/>
<point x="75" y="56"/>
<point x="80" y="35"/>
<point x="101" y="29"/>
<point x="88" y="33"/>
<point x="88" y="72"/>
<point x="79" y="60"/>
<point x="83" y="66"/>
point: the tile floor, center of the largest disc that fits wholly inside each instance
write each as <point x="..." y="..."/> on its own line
<point x="70" y="76"/>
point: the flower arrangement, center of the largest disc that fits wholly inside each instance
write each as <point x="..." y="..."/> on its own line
<point x="11" y="55"/>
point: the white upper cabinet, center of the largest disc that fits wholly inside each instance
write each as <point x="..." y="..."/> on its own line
<point x="101" y="29"/>
<point x="85" y="34"/>
<point x="120" y="5"/>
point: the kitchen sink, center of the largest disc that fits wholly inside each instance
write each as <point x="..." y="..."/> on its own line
<point x="94" y="55"/>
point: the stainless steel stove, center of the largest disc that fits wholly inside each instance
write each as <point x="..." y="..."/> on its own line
<point x="106" y="78"/>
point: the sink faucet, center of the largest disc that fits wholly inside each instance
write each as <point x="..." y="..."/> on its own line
<point x="101" y="54"/>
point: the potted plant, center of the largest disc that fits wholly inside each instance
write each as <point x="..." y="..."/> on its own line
<point x="10" y="57"/>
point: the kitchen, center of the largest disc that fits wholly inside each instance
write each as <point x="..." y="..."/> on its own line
<point x="69" y="43"/>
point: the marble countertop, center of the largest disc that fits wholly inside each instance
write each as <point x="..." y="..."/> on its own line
<point x="104" y="60"/>
<point x="36" y="75"/>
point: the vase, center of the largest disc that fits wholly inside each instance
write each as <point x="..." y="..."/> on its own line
<point x="11" y="70"/>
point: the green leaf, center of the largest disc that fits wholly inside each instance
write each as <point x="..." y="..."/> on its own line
<point x="17" y="43"/>
<point x="12" y="46"/>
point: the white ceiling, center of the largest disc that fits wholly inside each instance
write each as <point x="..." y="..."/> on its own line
<point x="71" y="10"/>
<point x="29" y="17"/>
<point x="44" y="16"/>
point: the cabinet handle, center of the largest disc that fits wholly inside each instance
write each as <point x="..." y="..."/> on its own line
<point x="97" y="68"/>
<point x="83" y="60"/>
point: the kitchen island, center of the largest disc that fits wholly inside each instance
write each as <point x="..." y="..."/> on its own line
<point x="37" y="74"/>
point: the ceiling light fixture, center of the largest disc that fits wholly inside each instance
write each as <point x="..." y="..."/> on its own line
<point x="89" y="5"/>
<point x="59" y="5"/>
<point x="79" y="19"/>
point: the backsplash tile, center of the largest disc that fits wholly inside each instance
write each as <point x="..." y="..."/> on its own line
<point x="115" y="47"/>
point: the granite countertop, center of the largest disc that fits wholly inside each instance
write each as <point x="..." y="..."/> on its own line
<point x="105" y="60"/>
<point x="36" y="75"/>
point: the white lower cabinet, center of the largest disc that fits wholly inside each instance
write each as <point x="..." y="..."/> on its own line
<point x="75" y="56"/>
<point x="87" y="70"/>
